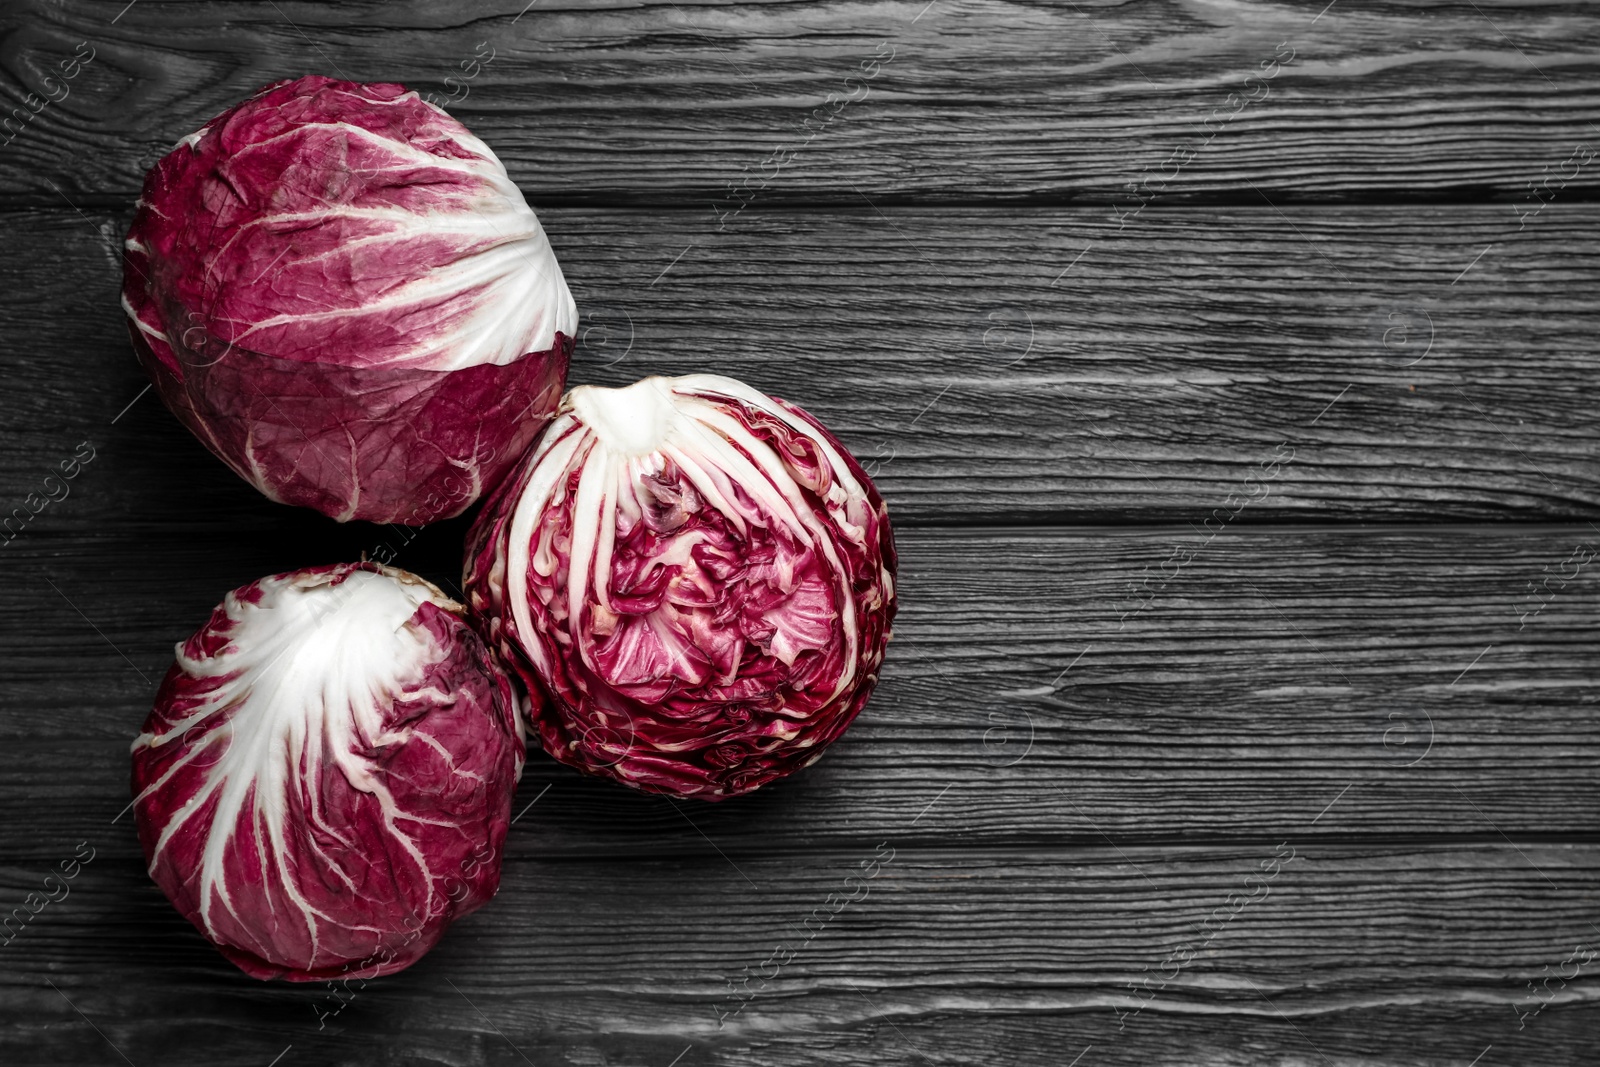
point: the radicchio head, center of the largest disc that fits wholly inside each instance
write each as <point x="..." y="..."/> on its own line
<point x="325" y="781"/>
<point x="694" y="580"/>
<point x="339" y="291"/>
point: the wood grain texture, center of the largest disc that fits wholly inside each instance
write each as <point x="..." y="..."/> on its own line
<point x="1279" y="669"/>
<point x="1347" y="287"/>
<point x="613" y="102"/>
<point x="977" y="382"/>
<point x="1371" y="955"/>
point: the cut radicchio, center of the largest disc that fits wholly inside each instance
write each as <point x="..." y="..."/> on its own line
<point x="339" y="291"/>
<point x="325" y="781"/>
<point x="694" y="580"/>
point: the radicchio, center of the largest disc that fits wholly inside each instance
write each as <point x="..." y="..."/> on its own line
<point x="694" y="580"/>
<point x="325" y="781"/>
<point x="339" y="291"/>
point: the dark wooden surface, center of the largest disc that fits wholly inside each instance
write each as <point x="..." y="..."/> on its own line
<point x="611" y="102"/>
<point x="1077" y="756"/>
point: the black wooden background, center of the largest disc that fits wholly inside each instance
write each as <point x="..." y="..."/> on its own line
<point x="1064" y="278"/>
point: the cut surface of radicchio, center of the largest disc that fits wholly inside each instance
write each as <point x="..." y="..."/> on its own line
<point x="340" y="292"/>
<point x="694" y="580"/>
<point x="325" y="781"/>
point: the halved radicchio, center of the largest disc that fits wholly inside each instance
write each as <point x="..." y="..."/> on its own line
<point x="694" y="580"/>
<point x="339" y="291"/>
<point x="325" y="781"/>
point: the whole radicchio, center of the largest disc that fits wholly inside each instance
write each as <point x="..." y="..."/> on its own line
<point x="694" y="580"/>
<point x="339" y="291"/>
<point x="325" y="781"/>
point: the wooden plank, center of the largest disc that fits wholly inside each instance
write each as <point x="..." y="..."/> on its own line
<point x="1278" y="950"/>
<point x="1403" y="673"/>
<point x="673" y="103"/>
<point x="1406" y="362"/>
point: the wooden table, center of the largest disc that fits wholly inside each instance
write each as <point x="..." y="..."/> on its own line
<point x="1230" y="370"/>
